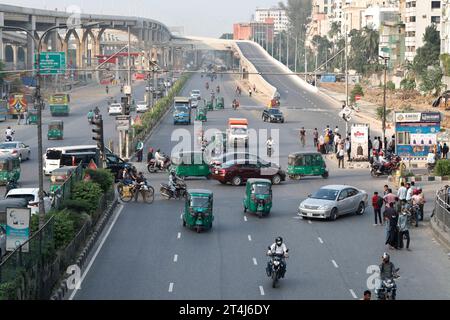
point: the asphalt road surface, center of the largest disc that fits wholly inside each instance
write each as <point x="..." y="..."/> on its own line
<point x="148" y="254"/>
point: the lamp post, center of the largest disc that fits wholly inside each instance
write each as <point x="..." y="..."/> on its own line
<point x="386" y="59"/>
<point x="38" y="99"/>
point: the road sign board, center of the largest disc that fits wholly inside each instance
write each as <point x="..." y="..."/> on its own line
<point x="123" y="123"/>
<point x="52" y="63"/>
<point x="357" y="98"/>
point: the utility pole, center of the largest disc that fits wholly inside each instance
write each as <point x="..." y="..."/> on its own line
<point x="287" y="50"/>
<point x="129" y="94"/>
<point x="296" y="52"/>
<point x="306" y="61"/>
<point x="315" y="70"/>
<point x="384" y="101"/>
<point x="346" y="65"/>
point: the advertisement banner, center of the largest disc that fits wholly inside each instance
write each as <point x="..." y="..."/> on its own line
<point x="17" y="228"/>
<point x="423" y="139"/>
<point x="408" y="117"/>
<point x="360" y="142"/>
<point x="17" y="103"/>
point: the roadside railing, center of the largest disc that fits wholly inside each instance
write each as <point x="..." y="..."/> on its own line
<point x="442" y="209"/>
<point x="64" y="191"/>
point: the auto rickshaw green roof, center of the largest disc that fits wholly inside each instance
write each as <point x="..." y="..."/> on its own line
<point x="255" y="180"/>
<point x="200" y="192"/>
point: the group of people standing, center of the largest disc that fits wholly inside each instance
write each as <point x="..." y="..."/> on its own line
<point x="332" y="141"/>
<point x="397" y="212"/>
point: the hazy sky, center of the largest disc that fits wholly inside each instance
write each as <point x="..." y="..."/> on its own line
<point x="209" y="18"/>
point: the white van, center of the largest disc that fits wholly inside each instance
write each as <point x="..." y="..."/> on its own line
<point x="52" y="156"/>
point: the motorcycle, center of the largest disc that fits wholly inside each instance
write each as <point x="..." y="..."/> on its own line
<point x="393" y="164"/>
<point x="9" y="138"/>
<point x="218" y="89"/>
<point x="274" y="270"/>
<point x="154" y="167"/>
<point x="269" y="151"/>
<point x="180" y="192"/>
<point x="430" y="167"/>
<point x="413" y="214"/>
<point x="235" y="105"/>
<point x="388" y="289"/>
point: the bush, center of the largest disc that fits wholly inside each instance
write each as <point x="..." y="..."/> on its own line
<point x="103" y="177"/>
<point x="77" y="205"/>
<point x="357" y="91"/>
<point x="408" y="84"/>
<point x="380" y="111"/>
<point x="64" y="228"/>
<point x="390" y="86"/>
<point x="442" y="168"/>
<point x="88" y="191"/>
<point x="8" y="290"/>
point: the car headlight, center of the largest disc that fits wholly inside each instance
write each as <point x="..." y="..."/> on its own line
<point x="302" y="206"/>
<point x="324" y="207"/>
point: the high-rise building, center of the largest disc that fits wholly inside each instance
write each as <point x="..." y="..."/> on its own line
<point x="278" y="15"/>
<point x="445" y="27"/>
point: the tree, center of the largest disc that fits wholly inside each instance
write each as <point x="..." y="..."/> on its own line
<point x="371" y="41"/>
<point x="357" y="91"/>
<point x="335" y="30"/>
<point x="432" y="81"/>
<point x="428" y="54"/>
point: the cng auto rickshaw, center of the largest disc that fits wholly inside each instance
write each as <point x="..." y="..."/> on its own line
<point x="220" y="104"/>
<point x="302" y="164"/>
<point x="258" y="196"/>
<point x="9" y="169"/>
<point x="209" y="105"/>
<point x="201" y="113"/>
<point x="198" y="210"/>
<point x="190" y="164"/>
<point x="60" y="176"/>
<point x="55" y="130"/>
<point x="32" y="117"/>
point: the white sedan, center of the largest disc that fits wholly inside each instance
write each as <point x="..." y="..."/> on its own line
<point x="32" y="196"/>
<point x="115" y="109"/>
<point x="141" y="106"/>
<point x="16" y="149"/>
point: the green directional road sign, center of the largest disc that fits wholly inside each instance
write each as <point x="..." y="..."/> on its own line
<point x="52" y="63"/>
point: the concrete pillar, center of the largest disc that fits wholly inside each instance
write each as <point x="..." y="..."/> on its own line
<point x="2" y="49"/>
<point x="15" y="61"/>
<point x="31" y="26"/>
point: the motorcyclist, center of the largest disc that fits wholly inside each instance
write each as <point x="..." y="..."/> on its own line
<point x="278" y="248"/>
<point x="90" y="115"/>
<point x="96" y="110"/>
<point x="387" y="270"/>
<point x="173" y="181"/>
<point x="107" y="89"/>
<point x="160" y="159"/>
<point x="382" y="161"/>
<point x="9" y="134"/>
<point x="218" y="89"/>
<point x="269" y="144"/>
<point x="235" y="103"/>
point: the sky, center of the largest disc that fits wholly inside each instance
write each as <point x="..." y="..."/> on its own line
<point x="207" y="18"/>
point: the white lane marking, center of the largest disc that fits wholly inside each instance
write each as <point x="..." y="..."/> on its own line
<point x="249" y="238"/>
<point x="171" y="287"/>
<point x="261" y="290"/>
<point x="175" y="258"/>
<point x="245" y="218"/>
<point x="309" y="221"/>
<point x="320" y="240"/>
<point x="255" y="262"/>
<point x="353" y="294"/>
<point x="96" y="253"/>
<point x="335" y="264"/>
<point x="179" y="235"/>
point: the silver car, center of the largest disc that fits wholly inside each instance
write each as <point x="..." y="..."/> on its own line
<point x="332" y="201"/>
<point x="2" y="242"/>
<point x="16" y="149"/>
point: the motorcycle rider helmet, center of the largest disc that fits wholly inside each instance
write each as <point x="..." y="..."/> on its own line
<point x="279" y="241"/>
<point x="386" y="257"/>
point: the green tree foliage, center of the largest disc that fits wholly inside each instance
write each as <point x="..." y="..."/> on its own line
<point x="323" y="49"/>
<point x="298" y="12"/>
<point x="380" y="112"/>
<point x="364" y="50"/>
<point x="357" y="91"/>
<point x="103" y="177"/>
<point x="445" y="58"/>
<point x="432" y="81"/>
<point x="390" y="86"/>
<point x="408" y="84"/>
<point x="88" y="191"/>
<point x="428" y="54"/>
<point x="442" y="168"/>
<point x="335" y="30"/>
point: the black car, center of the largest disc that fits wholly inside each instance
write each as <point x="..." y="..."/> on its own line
<point x="273" y="115"/>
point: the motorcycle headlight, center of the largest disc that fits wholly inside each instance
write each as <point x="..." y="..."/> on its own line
<point x="276" y="262"/>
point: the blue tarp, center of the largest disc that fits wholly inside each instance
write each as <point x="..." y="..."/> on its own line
<point x="29" y="81"/>
<point x="328" y="78"/>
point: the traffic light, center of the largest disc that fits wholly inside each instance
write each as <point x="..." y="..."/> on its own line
<point x="125" y="106"/>
<point x="98" y="130"/>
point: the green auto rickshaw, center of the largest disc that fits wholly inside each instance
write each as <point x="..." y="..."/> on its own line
<point x="198" y="210"/>
<point x="302" y="164"/>
<point x="32" y="117"/>
<point x="258" y="196"/>
<point x="60" y="176"/>
<point x="9" y="169"/>
<point x="210" y="105"/>
<point x="191" y="164"/>
<point x="56" y="130"/>
<point x="201" y="114"/>
<point x="220" y="104"/>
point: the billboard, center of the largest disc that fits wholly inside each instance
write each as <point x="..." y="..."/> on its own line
<point x="360" y="142"/>
<point x="17" y="228"/>
<point x="18" y="103"/>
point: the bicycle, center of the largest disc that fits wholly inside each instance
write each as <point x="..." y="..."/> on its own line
<point x="129" y="192"/>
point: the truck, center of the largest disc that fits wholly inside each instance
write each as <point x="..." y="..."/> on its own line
<point x="182" y="110"/>
<point x="59" y="104"/>
<point x="237" y="132"/>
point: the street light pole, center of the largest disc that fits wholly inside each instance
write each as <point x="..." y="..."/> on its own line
<point x="346" y="65"/>
<point x="384" y="101"/>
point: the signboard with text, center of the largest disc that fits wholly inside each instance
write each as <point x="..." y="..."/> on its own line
<point x="51" y="63"/>
<point x="360" y="142"/>
<point x="17" y="228"/>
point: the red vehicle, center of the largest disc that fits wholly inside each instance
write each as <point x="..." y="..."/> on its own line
<point x="239" y="171"/>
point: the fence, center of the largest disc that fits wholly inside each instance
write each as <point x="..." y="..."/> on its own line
<point x="64" y="191"/>
<point x="442" y="209"/>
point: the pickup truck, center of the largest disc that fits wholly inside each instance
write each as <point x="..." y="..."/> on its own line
<point x="237" y="131"/>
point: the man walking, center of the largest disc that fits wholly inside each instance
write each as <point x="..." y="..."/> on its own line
<point x="444" y="151"/>
<point x="341" y="157"/>
<point x="403" y="231"/>
<point x="376" y="144"/>
<point x="140" y="150"/>
<point x="401" y="193"/>
<point x="316" y="137"/>
<point x="25" y="116"/>
<point x="303" y="137"/>
<point x="348" y="148"/>
<point x="387" y="215"/>
<point x="377" y="203"/>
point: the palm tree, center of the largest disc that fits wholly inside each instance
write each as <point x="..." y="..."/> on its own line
<point x="335" y="30"/>
<point x="371" y="41"/>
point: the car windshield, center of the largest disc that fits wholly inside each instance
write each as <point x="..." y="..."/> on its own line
<point x="325" y="194"/>
<point x="7" y="146"/>
<point x="181" y="108"/>
<point x="53" y="155"/>
<point x="54" y="127"/>
<point x="195" y="92"/>
<point x="199" y="202"/>
<point x="274" y="111"/>
<point x="261" y="189"/>
<point x="228" y="164"/>
<point x="29" y="197"/>
<point x="240" y="131"/>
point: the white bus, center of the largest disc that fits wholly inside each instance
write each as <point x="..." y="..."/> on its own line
<point x="52" y="156"/>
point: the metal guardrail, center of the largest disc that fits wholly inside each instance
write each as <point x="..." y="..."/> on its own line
<point x="64" y="191"/>
<point x="442" y="209"/>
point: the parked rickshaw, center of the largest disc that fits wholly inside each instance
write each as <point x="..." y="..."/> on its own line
<point x="220" y="104"/>
<point x="32" y="117"/>
<point x="210" y="105"/>
<point x="56" y="130"/>
<point x="198" y="210"/>
<point x="60" y="176"/>
<point x="201" y="114"/>
<point x="9" y="169"/>
<point x="190" y="164"/>
<point x="258" y="196"/>
<point x="302" y="164"/>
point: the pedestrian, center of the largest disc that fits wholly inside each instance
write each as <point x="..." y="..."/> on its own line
<point x="380" y="144"/>
<point x="326" y="142"/>
<point x="254" y="88"/>
<point x="376" y="144"/>
<point x="25" y="116"/>
<point x="303" y="137"/>
<point x="403" y="230"/>
<point x="369" y="146"/>
<point x="444" y="151"/>
<point x="385" y="190"/>
<point x="348" y="148"/>
<point x="392" y="240"/>
<point x="367" y="295"/>
<point x="401" y="193"/>
<point x="341" y="157"/>
<point x="322" y="145"/>
<point x="389" y="198"/>
<point x="327" y="130"/>
<point x="19" y="117"/>
<point x="316" y="137"/>
<point x="150" y="155"/>
<point x="409" y="192"/>
<point x="336" y="130"/>
<point x="387" y="214"/>
<point x="439" y="150"/>
<point x="336" y="141"/>
<point x="421" y="202"/>
<point x="377" y="203"/>
<point x="139" y="150"/>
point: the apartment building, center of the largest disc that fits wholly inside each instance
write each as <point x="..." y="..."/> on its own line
<point x="418" y="15"/>
<point x="278" y="15"/>
<point x="445" y="27"/>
